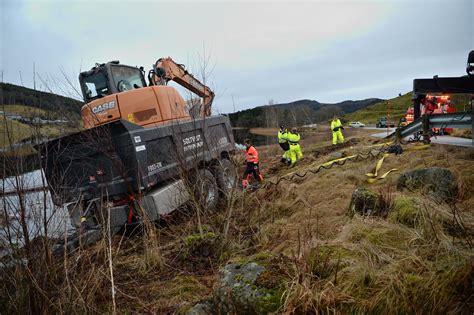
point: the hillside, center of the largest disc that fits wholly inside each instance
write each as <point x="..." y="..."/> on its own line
<point x="56" y="105"/>
<point x="298" y="113"/>
<point x="398" y="108"/>
<point x="27" y="116"/>
<point x="411" y="256"/>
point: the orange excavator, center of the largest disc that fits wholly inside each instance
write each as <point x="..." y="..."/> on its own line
<point x="114" y="91"/>
<point x="142" y="149"/>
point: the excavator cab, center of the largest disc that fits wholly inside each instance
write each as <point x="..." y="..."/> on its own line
<point x="113" y="91"/>
<point x="109" y="78"/>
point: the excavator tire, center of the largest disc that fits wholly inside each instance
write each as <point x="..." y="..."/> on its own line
<point x="205" y="189"/>
<point x="226" y="177"/>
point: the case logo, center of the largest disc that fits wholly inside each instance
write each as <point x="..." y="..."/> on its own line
<point x="103" y="107"/>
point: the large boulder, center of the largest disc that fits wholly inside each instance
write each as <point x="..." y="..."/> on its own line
<point x="201" y="309"/>
<point x="239" y="292"/>
<point x="363" y="202"/>
<point x="435" y="181"/>
<point x="336" y="155"/>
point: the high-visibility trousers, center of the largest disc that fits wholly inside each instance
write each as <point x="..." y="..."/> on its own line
<point x="252" y="168"/>
<point x="295" y="153"/>
<point x="337" y="137"/>
<point x="286" y="148"/>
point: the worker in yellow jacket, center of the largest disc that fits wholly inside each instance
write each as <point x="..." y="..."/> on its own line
<point x="337" y="128"/>
<point x="283" y="142"/>
<point x="295" y="148"/>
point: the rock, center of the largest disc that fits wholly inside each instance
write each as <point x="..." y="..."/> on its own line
<point x="406" y="211"/>
<point x="336" y="155"/>
<point x="363" y="202"/>
<point x="206" y="308"/>
<point x="238" y="293"/>
<point x="437" y="182"/>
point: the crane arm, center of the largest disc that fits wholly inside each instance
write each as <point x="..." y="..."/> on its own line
<point x="166" y="69"/>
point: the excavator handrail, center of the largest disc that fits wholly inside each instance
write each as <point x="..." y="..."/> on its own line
<point x="166" y="69"/>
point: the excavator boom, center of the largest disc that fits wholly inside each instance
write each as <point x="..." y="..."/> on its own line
<point x="166" y="69"/>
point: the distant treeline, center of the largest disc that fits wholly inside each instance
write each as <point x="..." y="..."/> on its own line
<point x="302" y="112"/>
<point x="11" y="94"/>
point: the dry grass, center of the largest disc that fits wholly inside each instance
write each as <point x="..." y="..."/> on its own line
<point x="416" y="258"/>
<point x="384" y="266"/>
<point x="462" y="133"/>
<point x="25" y="111"/>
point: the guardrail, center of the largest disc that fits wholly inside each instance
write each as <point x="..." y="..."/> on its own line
<point x="427" y="122"/>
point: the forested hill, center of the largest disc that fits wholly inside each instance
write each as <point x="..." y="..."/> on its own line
<point x="11" y="94"/>
<point x="301" y="112"/>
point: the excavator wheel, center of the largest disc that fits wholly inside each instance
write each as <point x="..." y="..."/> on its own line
<point x="226" y="177"/>
<point x="205" y="189"/>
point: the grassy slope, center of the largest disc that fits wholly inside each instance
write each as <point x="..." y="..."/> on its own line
<point x="398" y="107"/>
<point x="14" y="131"/>
<point x="370" y="114"/>
<point x="413" y="261"/>
<point x="25" y="111"/>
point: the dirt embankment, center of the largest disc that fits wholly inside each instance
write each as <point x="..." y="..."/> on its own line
<point x="417" y="258"/>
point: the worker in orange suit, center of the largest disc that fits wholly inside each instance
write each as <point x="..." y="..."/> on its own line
<point x="252" y="167"/>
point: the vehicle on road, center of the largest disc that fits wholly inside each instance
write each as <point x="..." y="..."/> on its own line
<point x="433" y="104"/>
<point x="382" y="123"/>
<point x="144" y="153"/>
<point x="356" y="124"/>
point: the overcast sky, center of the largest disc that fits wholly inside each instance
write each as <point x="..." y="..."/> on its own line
<point x="327" y="51"/>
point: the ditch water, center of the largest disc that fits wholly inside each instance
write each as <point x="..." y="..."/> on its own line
<point x="241" y="134"/>
<point x="38" y="207"/>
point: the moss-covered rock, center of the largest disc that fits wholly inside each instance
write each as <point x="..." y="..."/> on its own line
<point x="363" y="202"/>
<point x="198" y="238"/>
<point x="201" y="309"/>
<point x="199" y="252"/>
<point x="406" y="211"/>
<point x="438" y="182"/>
<point x="198" y="245"/>
<point x="238" y="291"/>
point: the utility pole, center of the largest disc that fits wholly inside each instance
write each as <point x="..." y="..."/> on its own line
<point x="34" y="76"/>
<point x="21" y="79"/>
<point x="388" y="117"/>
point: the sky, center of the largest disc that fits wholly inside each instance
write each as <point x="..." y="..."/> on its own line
<point x="254" y="52"/>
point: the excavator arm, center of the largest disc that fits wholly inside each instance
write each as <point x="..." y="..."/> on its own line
<point x="166" y="69"/>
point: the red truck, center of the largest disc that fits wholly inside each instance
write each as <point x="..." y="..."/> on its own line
<point x="433" y="104"/>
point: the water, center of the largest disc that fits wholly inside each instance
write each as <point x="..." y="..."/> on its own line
<point x="244" y="133"/>
<point x="39" y="211"/>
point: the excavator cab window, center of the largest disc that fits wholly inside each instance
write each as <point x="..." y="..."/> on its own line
<point x="127" y="78"/>
<point x="95" y="86"/>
